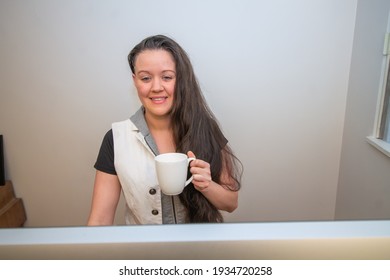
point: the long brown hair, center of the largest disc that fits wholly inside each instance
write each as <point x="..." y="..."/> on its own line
<point x="196" y="129"/>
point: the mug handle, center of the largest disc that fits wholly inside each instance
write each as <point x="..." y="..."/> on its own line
<point x="192" y="177"/>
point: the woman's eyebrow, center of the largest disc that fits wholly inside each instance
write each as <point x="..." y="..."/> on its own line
<point x="147" y="72"/>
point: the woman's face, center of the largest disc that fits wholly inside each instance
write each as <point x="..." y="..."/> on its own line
<point x="155" y="79"/>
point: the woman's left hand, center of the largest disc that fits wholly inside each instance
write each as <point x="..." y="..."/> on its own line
<point x="201" y="172"/>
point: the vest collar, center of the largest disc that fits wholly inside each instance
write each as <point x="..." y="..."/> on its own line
<point x="140" y="125"/>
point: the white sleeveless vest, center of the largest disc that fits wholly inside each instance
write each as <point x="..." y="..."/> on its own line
<point x="134" y="163"/>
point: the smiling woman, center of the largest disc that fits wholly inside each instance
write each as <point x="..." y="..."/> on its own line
<point x="271" y="71"/>
<point x="174" y="117"/>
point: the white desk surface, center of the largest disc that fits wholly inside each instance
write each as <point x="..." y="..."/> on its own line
<point x="271" y="240"/>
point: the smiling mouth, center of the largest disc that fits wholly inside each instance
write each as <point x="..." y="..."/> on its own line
<point x="159" y="99"/>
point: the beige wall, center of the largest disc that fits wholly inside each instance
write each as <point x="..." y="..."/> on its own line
<point x="274" y="72"/>
<point x="364" y="183"/>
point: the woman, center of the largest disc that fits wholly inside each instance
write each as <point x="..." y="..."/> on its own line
<point x="174" y="117"/>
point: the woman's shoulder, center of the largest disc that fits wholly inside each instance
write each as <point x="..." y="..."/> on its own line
<point x="108" y="137"/>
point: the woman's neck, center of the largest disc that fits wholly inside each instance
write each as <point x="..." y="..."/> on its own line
<point x="161" y="130"/>
<point x="157" y="123"/>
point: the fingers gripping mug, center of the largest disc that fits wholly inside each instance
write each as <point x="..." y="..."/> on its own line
<point x="172" y="171"/>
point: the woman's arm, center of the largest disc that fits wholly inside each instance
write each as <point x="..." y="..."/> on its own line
<point x="106" y="194"/>
<point x="222" y="198"/>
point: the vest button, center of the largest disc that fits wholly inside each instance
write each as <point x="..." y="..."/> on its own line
<point x="152" y="191"/>
<point x="155" y="212"/>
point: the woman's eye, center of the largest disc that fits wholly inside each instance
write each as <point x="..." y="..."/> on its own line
<point x="167" y="78"/>
<point x="145" y="79"/>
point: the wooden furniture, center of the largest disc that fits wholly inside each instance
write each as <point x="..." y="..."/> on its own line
<point x="12" y="212"/>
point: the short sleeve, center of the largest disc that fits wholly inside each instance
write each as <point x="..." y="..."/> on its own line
<point x="105" y="159"/>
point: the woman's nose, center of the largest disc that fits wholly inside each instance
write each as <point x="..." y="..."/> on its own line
<point x="157" y="85"/>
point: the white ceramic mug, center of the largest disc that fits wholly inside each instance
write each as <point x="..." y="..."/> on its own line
<point x="172" y="171"/>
